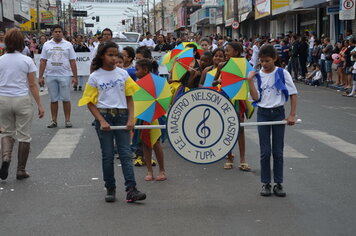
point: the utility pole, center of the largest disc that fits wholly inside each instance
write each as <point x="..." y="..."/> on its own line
<point x="143" y="26"/>
<point x="154" y="16"/>
<point x="148" y="15"/>
<point x="38" y="17"/>
<point x="64" y="16"/>
<point x="70" y="19"/>
<point x="162" y="13"/>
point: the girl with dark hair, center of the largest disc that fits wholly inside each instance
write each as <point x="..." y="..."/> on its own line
<point x="234" y="49"/>
<point x="218" y="57"/>
<point x="143" y="68"/>
<point x="108" y="95"/>
<point x="129" y="55"/>
<point x="17" y="78"/>
<point x="144" y="52"/>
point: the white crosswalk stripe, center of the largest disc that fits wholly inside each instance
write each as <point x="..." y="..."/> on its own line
<point x="332" y="141"/>
<point x="289" y="152"/>
<point x="62" y="144"/>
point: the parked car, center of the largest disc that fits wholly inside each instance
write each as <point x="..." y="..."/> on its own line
<point x="124" y="39"/>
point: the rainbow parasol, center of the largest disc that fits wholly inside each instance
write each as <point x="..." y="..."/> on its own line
<point x="233" y="81"/>
<point x="153" y="98"/>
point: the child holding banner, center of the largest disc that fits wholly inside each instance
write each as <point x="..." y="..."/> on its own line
<point x="234" y="49"/>
<point x="149" y="138"/>
<point x="274" y="87"/>
<point x="108" y="95"/>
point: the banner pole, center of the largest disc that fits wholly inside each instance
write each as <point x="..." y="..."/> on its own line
<point x="282" y="122"/>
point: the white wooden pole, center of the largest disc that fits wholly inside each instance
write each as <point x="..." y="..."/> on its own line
<point x="282" y="122"/>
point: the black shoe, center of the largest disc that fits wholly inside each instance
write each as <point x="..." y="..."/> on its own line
<point x="75" y="88"/>
<point x="278" y="190"/>
<point x="266" y="190"/>
<point x="134" y="195"/>
<point x="110" y="195"/>
<point x="80" y="88"/>
<point x="4" y="171"/>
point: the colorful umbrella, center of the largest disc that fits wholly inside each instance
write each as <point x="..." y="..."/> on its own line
<point x="165" y="59"/>
<point x="182" y="63"/>
<point x="209" y="79"/>
<point x="233" y="81"/>
<point x="153" y="98"/>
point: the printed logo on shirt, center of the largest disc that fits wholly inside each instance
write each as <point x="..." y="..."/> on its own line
<point x="57" y="56"/>
<point x="269" y="89"/>
<point x="112" y="84"/>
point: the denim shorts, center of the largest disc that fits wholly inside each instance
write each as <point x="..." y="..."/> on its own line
<point x="59" y="88"/>
<point x="347" y="70"/>
<point x="328" y="65"/>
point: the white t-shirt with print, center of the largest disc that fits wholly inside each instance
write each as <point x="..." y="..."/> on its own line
<point x="111" y="87"/>
<point x="254" y="57"/>
<point x="14" y="68"/>
<point x="58" y="56"/>
<point x="148" y="43"/>
<point x="271" y="96"/>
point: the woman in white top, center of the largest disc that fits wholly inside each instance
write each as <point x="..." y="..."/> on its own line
<point x="17" y="78"/>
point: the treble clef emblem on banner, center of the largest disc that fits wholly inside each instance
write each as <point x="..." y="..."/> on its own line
<point x="203" y="131"/>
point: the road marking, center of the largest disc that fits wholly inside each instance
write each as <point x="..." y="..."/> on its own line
<point x="288" y="152"/>
<point x="62" y="144"/>
<point x="332" y="141"/>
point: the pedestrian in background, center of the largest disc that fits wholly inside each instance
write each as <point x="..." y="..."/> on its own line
<point x="80" y="46"/>
<point x="17" y="79"/>
<point x="293" y="65"/>
<point x="328" y="51"/>
<point x="270" y="91"/>
<point x="108" y="95"/>
<point x="303" y="56"/>
<point x="58" y="58"/>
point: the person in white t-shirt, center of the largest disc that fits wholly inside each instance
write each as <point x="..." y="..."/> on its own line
<point x="106" y="35"/>
<point x="148" y="41"/>
<point x="274" y="87"/>
<point x="255" y="50"/>
<point x="58" y="59"/>
<point x="17" y="79"/>
<point x="108" y="95"/>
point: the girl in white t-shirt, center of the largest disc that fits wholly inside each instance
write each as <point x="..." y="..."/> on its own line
<point x="108" y="95"/>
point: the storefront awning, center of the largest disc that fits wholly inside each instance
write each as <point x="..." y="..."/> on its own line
<point x="311" y="3"/>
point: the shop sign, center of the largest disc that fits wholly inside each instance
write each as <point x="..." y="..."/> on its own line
<point x="347" y="10"/>
<point x="262" y="8"/>
<point x="332" y="10"/>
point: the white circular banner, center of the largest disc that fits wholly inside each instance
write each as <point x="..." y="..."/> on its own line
<point x="202" y="126"/>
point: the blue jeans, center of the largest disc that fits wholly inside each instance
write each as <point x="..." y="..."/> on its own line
<point x="122" y="139"/>
<point x="264" y="133"/>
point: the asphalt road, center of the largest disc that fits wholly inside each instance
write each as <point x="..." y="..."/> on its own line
<point x="65" y="196"/>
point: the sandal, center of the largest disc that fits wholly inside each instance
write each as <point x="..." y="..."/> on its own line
<point x="149" y="177"/>
<point x="161" y="177"/>
<point x="244" y="167"/>
<point x="228" y="165"/>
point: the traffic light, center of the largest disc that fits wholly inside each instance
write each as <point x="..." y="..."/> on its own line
<point x="97" y="19"/>
<point x="123" y="22"/>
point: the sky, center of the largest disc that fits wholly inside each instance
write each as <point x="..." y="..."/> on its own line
<point x="111" y="14"/>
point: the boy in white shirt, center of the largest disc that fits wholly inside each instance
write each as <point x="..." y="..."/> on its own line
<point x="274" y="87"/>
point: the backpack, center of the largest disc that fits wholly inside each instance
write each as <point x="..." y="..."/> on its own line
<point x="279" y="83"/>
